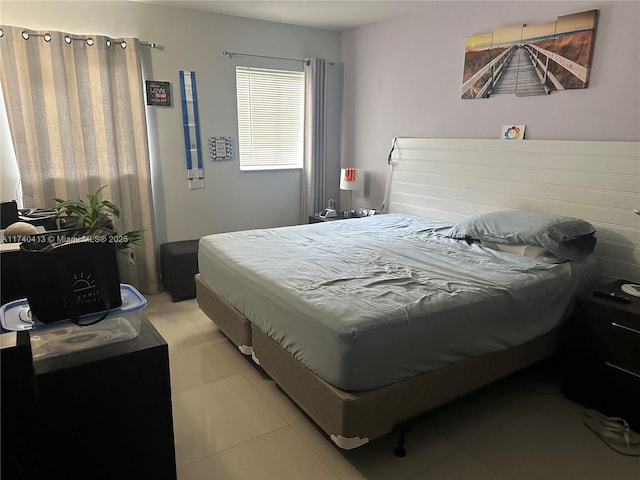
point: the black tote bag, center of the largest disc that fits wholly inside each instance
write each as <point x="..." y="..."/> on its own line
<point x="69" y="273"/>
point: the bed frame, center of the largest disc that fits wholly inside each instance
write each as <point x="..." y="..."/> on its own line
<point x="352" y="419"/>
<point x="449" y="180"/>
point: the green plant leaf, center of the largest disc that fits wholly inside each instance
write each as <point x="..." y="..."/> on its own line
<point x="96" y="213"/>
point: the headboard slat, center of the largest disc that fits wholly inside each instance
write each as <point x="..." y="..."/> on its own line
<point x="453" y="179"/>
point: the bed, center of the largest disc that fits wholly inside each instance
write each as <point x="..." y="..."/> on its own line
<point x="368" y="323"/>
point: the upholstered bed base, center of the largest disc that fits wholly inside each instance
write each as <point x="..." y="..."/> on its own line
<point x="233" y="324"/>
<point x="354" y="418"/>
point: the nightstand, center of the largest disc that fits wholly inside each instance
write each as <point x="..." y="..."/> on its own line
<point x="602" y="369"/>
<point x="318" y="219"/>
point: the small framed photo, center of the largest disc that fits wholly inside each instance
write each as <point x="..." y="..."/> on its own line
<point x="512" y="132"/>
<point x="158" y="93"/>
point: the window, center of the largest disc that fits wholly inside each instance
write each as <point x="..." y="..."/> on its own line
<point x="270" y="118"/>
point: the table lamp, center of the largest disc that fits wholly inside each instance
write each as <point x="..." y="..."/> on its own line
<point x="351" y="179"/>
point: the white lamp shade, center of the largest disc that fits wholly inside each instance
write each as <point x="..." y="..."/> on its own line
<point x="351" y="179"/>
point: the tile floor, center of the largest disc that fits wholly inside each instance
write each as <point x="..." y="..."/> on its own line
<point x="232" y="422"/>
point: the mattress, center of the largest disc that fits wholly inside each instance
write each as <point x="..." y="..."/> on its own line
<point x="367" y="302"/>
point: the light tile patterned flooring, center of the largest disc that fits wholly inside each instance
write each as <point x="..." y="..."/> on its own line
<point x="232" y="422"/>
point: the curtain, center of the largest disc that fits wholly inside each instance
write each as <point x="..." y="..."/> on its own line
<point x="77" y="118"/>
<point x="313" y="171"/>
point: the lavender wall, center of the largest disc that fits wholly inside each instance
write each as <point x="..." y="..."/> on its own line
<point x="402" y="77"/>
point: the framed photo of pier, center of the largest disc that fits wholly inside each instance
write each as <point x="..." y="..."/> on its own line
<point x="527" y="60"/>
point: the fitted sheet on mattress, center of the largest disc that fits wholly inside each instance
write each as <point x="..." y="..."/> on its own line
<point x="367" y="302"/>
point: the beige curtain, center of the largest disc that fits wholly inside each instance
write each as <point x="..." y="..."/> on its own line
<point x="77" y="118"/>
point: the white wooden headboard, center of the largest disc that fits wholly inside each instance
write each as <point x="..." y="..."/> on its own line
<point x="453" y="179"/>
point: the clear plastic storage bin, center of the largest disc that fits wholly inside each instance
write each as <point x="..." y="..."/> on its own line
<point x="64" y="337"/>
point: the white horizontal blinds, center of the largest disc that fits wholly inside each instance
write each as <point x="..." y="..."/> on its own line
<point x="270" y="118"/>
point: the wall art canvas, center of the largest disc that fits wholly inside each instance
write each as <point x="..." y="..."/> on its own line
<point x="525" y="60"/>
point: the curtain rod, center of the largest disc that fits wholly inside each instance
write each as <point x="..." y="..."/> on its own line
<point x="151" y="45"/>
<point x="238" y="54"/>
<point x="68" y="38"/>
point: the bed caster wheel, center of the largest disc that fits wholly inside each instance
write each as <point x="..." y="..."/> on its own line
<point x="400" y="452"/>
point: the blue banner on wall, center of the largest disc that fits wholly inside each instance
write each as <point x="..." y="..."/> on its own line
<point x="191" y="126"/>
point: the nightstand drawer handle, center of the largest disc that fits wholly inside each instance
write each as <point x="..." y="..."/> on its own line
<point x="613" y="365"/>
<point x="625" y="327"/>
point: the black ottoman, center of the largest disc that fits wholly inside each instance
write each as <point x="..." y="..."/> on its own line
<point x="178" y="265"/>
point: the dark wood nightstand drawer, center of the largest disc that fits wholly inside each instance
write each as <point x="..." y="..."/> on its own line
<point x="626" y="373"/>
<point x="620" y="394"/>
<point x="628" y="313"/>
<point x="617" y="341"/>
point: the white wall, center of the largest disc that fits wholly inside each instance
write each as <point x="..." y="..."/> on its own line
<point x="194" y="40"/>
<point x="10" y="178"/>
<point x="402" y="77"/>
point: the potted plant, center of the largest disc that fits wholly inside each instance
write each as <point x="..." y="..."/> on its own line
<point x="96" y="213"/>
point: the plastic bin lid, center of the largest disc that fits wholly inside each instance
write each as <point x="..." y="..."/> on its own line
<point x="16" y="315"/>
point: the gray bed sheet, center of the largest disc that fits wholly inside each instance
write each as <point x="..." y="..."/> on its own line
<point x="367" y="302"/>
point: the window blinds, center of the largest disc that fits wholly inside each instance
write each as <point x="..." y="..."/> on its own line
<point x="270" y="118"/>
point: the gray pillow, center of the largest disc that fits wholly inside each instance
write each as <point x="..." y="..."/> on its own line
<point x="565" y="237"/>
